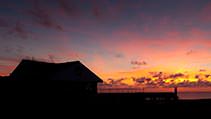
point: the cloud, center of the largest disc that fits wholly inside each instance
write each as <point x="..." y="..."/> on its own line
<point x="96" y="11"/>
<point x="19" y="30"/>
<point x="205" y="13"/>
<point x="17" y="50"/>
<point x="4" y="69"/>
<point x="207" y="75"/>
<point x="43" y="17"/>
<point x="159" y="75"/>
<point x="142" y="80"/>
<point x="134" y="62"/>
<point x="68" y="7"/>
<point x="177" y="75"/>
<point x="202" y="70"/>
<point x="156" y="74"/>
<point x="162" y="79"/>
<point x="115" y="81"/>
<point x="189" y="52"/>
<point x="8" y="59"/>
<point x="119" y="55"/>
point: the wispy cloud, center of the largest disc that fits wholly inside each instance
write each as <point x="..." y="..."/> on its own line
<point x="19" y="30"/>
<point x="8" y="59"/>
<point x="119" y="55"/>
<point x="115" y="81"/>
<point x="135" y="62"/>
<point x="205" y="13"/>
<point x="96" y="11"/>
<point x="189" y="52"/>
<point x="43" y="17"/>
<point x="68" y="7"/>
<point x="202" y="70"/>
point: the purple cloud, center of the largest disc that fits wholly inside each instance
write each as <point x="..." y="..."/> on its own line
<point x="19" y="30"/>
<point x="177" y="75"/>
<point x="43" y="17"/>
<point x="115" y="81"/>
<point x="138" y="63"/>
<point x="96" y="11"/>
<point x="68" y="7"/>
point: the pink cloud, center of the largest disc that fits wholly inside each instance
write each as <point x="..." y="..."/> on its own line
<point x="6" y="69"/>
<point x="9" y="59"/>
<point x="205" y="13"/>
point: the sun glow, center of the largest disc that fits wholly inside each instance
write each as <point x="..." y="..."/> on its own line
<point x="165" y="78"/>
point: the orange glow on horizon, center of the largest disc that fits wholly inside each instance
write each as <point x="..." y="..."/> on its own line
<point x="167" y="77"/>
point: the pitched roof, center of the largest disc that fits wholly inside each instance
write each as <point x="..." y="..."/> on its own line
<point x="36" y="70"/>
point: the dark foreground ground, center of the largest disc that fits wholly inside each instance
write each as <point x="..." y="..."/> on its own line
<point x="103" y="105"/>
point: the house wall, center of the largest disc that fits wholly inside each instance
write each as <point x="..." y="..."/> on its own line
<point x="76" y="88"/>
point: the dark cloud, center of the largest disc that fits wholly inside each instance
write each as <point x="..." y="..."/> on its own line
<point x="19" y="30"/>
<point x="202" y="70"/>
<point x="199" y="83"/>
<point x="159" y="75"/>
<point x="189" y="52"/>
<point x="68" y="7"/>
<point x="159" y="80"/>
<point x="177" y="75"/>
<point x="138" y="63"/>
<point x="115" y="81"/>
<point x="142" y="80"/>
<point x="119" y="55"/>
<point x="156" y="74"/>
<point x="43" y="17"/>
<point x="197" y="76"/>
<point x="96" y="11"/>
<point x="164" y="76"/>
<point x="207" y="75"/>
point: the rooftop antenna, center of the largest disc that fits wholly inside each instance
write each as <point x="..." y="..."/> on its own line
<point x="33" y="59"/>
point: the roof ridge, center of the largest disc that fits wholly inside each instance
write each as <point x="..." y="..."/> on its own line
<point x="29" y="60"/>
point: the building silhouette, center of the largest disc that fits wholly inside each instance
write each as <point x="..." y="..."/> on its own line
<point x="72" y="77"/>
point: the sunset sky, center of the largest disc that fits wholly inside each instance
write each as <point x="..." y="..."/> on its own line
<point x="141" y="43"/>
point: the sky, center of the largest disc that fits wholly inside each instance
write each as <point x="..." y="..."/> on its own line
<point x="139" y="43"/>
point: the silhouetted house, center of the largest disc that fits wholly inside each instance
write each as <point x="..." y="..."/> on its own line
<point x="73" y="77"/>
